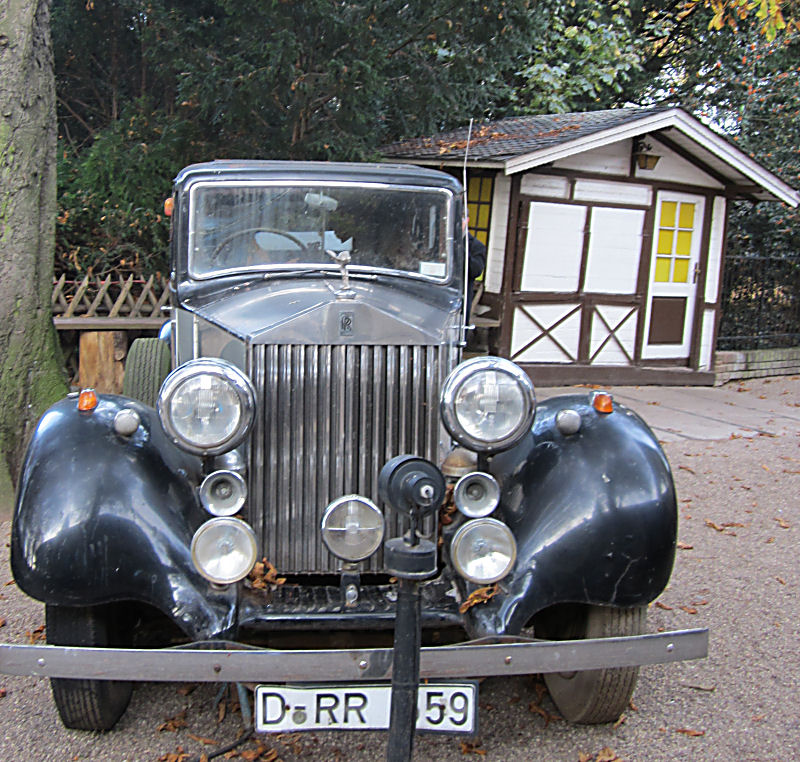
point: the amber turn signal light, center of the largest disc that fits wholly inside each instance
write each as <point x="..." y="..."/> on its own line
<point x="169" y="206"/>
<point x="87" y="400"/>
<point x="602" y="402"/>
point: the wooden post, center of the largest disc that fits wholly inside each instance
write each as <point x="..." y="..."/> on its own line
<point x="101" y="360"/>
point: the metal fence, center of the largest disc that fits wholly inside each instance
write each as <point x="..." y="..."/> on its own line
<point x="760" y="303"/>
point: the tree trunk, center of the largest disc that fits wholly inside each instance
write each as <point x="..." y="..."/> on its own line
<point x="30" y="373"/>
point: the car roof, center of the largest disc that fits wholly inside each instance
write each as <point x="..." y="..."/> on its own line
<point x="238" y="169"/>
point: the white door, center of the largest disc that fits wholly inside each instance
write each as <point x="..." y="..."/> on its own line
<point x="673" y="276"/>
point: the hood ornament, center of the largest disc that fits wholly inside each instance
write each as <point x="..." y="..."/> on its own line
<point x="342" y="258"/>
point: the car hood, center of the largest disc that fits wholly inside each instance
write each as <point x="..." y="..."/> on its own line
<point x="306" y="311"/>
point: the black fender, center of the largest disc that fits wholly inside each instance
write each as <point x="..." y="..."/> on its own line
<point x="101" y="517"/>
<point x="594" y="515"/>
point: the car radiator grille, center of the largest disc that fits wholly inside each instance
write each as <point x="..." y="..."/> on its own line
<point x="328" y="418"/>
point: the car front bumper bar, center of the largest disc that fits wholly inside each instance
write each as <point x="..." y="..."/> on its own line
<point x="246" y="664"/>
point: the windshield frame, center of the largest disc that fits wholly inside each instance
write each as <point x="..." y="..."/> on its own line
<point x="333" y="268"/>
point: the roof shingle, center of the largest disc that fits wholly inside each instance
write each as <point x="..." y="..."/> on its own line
<point x="514" y="136"/>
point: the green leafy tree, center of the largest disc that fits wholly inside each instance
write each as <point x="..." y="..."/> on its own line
<point x="156" y="86"/>
<point x="744" y="85"/>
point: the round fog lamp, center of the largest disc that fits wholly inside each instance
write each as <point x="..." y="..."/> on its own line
<point x="352" y="528"/>
<point x="224" y="550"/>
<point x="483" y="551"/>
<point x="223" y="493"/>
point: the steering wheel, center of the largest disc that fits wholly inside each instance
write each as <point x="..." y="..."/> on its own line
<point x="239" y="233"/>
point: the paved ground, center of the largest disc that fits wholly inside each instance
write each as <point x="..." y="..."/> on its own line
<point x="685" y="413"/>
<point x="737" y="469"/>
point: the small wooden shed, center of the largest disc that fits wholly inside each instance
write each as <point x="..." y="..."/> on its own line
<point x="606" y="238"/>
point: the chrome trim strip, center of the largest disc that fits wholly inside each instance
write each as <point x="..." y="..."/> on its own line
<point x="464" y="660"/>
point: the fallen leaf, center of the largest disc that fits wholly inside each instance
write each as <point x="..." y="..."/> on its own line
<point x="221" y="709"/>
<point x="264" y="575"/>
<point x="758" y="718"/>
<point x="620" y="721"/>
<point x="606" y="755"/>
<point x="782" y="523"/>
<point x="704" y="688"/>
<point x="733" y="524"/>
<point x="769" y="540"/>
<point x="200" y="739"/>
<point x="766" y="468"/>
<point x="2" y="621"/>
<point x="542" y="712"/>
<point x="481" y="595"/>
<point x="663" y="606"/>
<point x="715" y="527"/>
<point x="585" y="757"/>
<point x="633" y="706"/>
<point x="691" y="733"/>
<point x="3" y="693"/>
<point x="9" y="583"/>
<point x="686" y="468"/>
<point x="541" y="691"/>
<point x="472" y="747"/>
<point x="685" y="546"/>
<point x="35" y="635"/>
<point x="185" y="690"/>
<point x="688" y="609"/>
<point x="781" y="580"/>
<point x="178" y="756"/>
<point x="171" y="724"/>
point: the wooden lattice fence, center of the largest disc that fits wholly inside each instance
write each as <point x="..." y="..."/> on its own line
<point x="111" y="303"/>
<point x="98" y="317"/>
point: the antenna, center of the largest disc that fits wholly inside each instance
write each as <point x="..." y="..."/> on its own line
<point x="465" y="226"/>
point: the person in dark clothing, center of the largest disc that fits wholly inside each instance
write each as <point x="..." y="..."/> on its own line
<point x="477" y="261"/>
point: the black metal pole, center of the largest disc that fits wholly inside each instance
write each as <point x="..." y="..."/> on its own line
<point x="405" y="672"/>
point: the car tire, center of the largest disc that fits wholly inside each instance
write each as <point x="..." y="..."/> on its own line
<point x="147" y="366"/>
<point x="86" y="704"/>
<point x="596" y="696"/>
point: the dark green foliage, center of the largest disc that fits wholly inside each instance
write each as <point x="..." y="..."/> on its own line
<point x="744" y="85"/>
<point x="145" y="88"/>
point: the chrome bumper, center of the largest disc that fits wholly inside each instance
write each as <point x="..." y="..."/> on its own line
<point x="246" y="664"/>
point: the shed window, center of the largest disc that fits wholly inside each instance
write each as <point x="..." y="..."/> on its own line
<point x="674" y="250"/>
<point x="480" y="189"/>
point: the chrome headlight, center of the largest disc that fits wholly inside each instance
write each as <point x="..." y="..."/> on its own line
<point x="483" y="551"/>
<point x="352" y="528"/>
<point x="488" y="404"/>
<point x="224" y="550"/>
<point x="206" y="406"/>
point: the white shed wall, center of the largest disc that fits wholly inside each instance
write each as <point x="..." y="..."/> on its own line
<point x="615" y="246"/>
<point x="715" y="246"/>
<point x="554" y="247"/>
<point x="612" y="159"/>
<point x="562" y="348"/>
<point x="674" y="168"/>
<point x="496" y="250"/>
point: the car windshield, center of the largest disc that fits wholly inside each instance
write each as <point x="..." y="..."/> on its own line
<point x="263" y="226"/>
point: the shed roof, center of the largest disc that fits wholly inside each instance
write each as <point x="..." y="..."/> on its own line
<point x="521" y="143"/>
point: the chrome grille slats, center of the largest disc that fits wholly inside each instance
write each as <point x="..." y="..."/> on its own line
<point x="329" y="417"/>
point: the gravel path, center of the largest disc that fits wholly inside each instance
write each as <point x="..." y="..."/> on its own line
<point x="737" y="572"/>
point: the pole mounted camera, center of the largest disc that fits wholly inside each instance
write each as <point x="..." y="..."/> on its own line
<point x="415" y="488"/>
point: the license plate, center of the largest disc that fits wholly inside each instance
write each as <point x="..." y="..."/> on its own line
<point x="441" y="707"/>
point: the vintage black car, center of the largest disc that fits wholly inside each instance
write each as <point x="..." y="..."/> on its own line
<point x="304" y="440"/>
